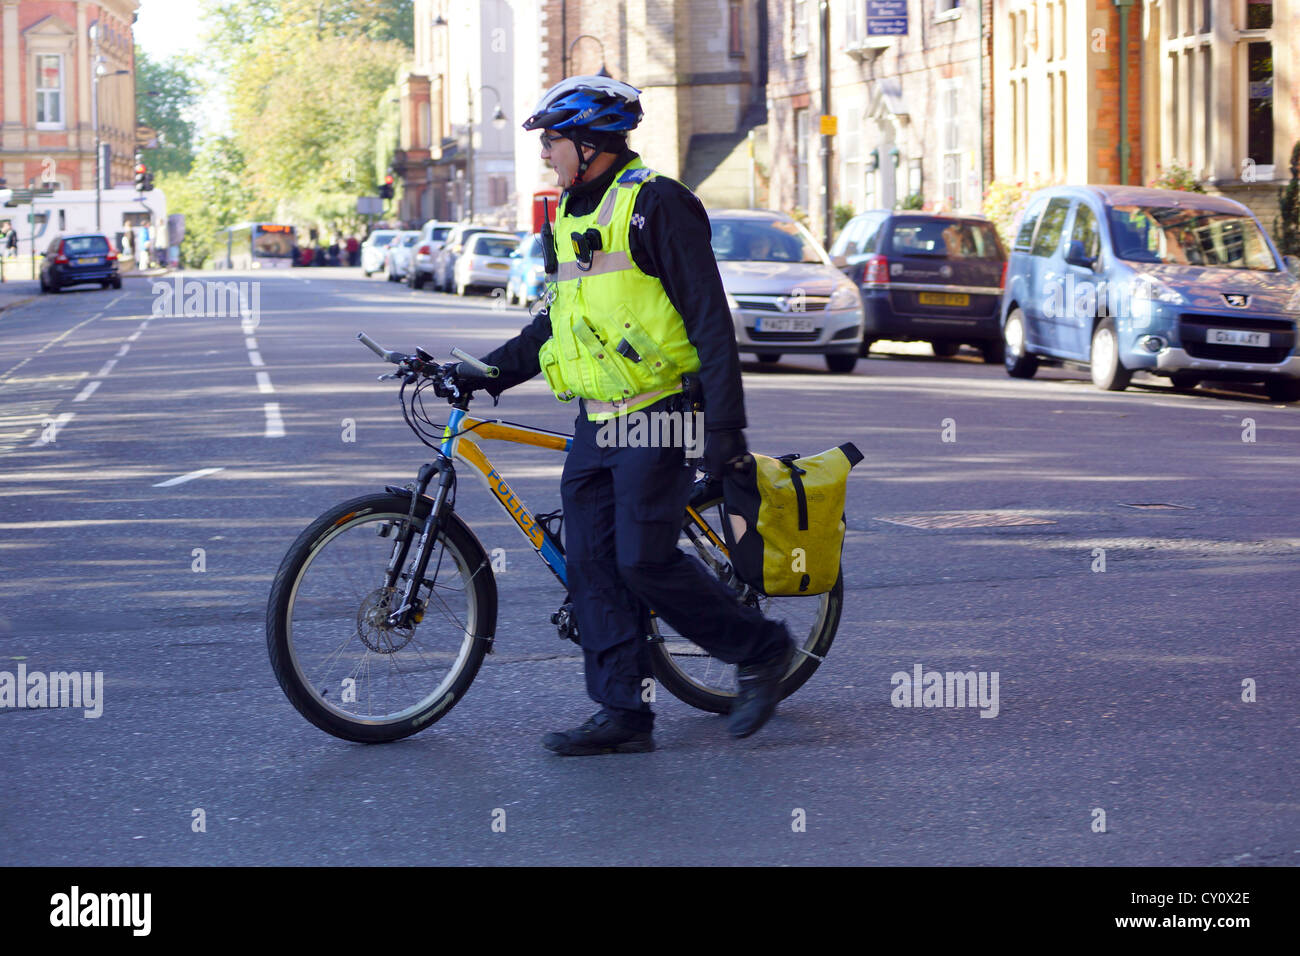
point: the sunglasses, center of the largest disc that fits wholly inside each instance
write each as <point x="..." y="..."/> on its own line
<point x="550" y="139"/>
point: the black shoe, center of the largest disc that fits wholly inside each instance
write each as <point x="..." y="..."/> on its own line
<point x="759" y="691"/>
<point x="599" y="735"/>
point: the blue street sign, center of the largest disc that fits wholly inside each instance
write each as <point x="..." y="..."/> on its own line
<point x="886" y="18"/>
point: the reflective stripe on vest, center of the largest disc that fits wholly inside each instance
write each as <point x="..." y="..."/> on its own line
<point x="615" y="334"/>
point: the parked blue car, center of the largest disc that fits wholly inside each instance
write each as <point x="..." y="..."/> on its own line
<point x="526" y="271"/>
<point x="1124" y="278"/>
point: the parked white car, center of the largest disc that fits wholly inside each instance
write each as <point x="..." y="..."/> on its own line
<point x="373" y="249"/>
<point x="432" y="235"/>
<point x="485" y="262"/>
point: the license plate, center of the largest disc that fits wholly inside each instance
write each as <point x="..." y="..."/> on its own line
<point x="497" y="265"/>
<point x="764" y="324"/>
<point x="944" y="298"/>
<point x="1236" y="337"/>
<point x="88" y="262"/>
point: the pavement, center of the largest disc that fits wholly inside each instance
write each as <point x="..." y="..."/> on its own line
<point x="1123" y="565"/>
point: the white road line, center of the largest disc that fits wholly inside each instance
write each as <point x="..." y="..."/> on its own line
<point x="256" y="358"/>
<point x="53" y="428"/>
<point x="123" y="350"/>
<point x="251" y="343"/>
<point x="133" y="336"/>
<point x="264" y="384"/>
<point x="88" y="391"/>
<point x="274" y="423"/>
<point x="188" y="476"/>
<point x="59" y="338"/>
<point x="107" y="367"/>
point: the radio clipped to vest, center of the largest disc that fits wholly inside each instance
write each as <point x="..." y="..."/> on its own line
<point x="785" y="520"/>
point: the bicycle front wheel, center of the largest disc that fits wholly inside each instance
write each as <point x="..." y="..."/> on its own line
<point x="692" y="675"/>
<point x="337" y="658"/>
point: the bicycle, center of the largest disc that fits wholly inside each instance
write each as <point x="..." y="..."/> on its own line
<point x="360" y="580"/>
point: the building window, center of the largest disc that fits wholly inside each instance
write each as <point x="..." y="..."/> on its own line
<point x="854" y="24"/>
<point x="802" y="134"/>
<point x="951" y="140"/>
<point x="49" y="91"/>
<point x="1259" y="14"/>
<point x="1259" y="103"/>
<point x="498" y="190"/>
<point x="851" y="165"/>
<point x="736" y="29"/>
<point x="799" y="28"/>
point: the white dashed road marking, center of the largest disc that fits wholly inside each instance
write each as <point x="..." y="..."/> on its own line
<point x="264" y="383"/>
<point x="256" y="358"/>
<point x="106" y="368"/>
<point x="188" y="476"/>
<point x="274" y="423"/>
<point x="123" y="350"/>
<point x="51" y="431"/>
<point x="88" y="391"/>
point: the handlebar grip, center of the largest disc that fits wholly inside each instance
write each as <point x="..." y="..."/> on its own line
<point x="384" y="354"/>
<point x="491" y="371"/>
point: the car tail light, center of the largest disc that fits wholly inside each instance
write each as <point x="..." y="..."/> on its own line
<point x="423" y="250"/>
<point x="1002" y="283"/>
<point x="875" y="270"/>
<point x="111" y="255"/>
<point x="60" y="257"/>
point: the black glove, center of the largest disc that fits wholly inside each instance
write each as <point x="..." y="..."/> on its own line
<point x="470" y="377"/>
<point x="721" y="448"/>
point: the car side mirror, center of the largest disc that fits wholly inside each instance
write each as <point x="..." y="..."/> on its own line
<point x="1076" y="256"/>
<point x="839" y="262"/>
<point x="1292" y="265"/>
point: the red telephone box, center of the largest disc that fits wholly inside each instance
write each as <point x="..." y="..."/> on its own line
<point x="552" y="197"/>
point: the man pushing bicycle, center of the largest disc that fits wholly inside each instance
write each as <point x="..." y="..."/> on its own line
<point x="636" y="303"/>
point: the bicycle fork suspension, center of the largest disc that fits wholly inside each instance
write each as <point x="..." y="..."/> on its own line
<point x="411" y="611"/>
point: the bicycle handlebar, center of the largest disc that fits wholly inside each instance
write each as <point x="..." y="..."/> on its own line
<point x="491" y="371"/>
<point x="385" y="354"/>
<point x="422" y="363"/>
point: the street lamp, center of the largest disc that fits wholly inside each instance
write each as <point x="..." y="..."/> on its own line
<point x="587" y="36"/>
<point x="498" y="122"/>
<point x="97" y="73"/>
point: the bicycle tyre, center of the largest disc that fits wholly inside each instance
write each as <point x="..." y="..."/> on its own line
<point x="715" y="696"/>
<point x="304" y="680"/>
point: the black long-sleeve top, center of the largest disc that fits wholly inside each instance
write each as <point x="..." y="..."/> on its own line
<point x="672" y="245"/>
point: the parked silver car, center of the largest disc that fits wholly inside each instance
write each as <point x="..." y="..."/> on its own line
<point x="373" y="249"/>
<point x="432" y="235"/>
<point x="397" y="257"/>
<point x="786" y="295"/>
<point x="485" y="261"/>
<point x="444" y="260"/>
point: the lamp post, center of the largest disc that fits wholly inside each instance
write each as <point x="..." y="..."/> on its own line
<point x="498" y="122"/>
<point x="98" y="72"/>
<point x="587" y="36"/>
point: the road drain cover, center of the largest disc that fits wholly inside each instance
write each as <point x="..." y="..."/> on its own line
<point x="967" y="519"/>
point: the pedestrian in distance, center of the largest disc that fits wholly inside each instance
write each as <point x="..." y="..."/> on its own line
<point x="640" y="268"/>
<point x="9" y="235"/>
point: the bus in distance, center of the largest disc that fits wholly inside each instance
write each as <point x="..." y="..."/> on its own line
<point x="255" y="245"/>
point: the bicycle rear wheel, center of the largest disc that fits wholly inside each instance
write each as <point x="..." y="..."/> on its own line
<point x="692" y="675"/>
<point x="336" y="657"/>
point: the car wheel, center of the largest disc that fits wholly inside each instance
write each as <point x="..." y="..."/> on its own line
<point x="841" y="364"/>
<point x="1018" y="362"/>
<point x="865" y="347"/>
<point x="417" y="281"/>
<point x="1283" y="389"/>
<point x="1108" y="372"/>
<point x="769" y="358"/>
<point x="105" y="285"/>
<point x="1184" y="381"/>
<point x="993" y="352"/>
<point x="945" y="349"/>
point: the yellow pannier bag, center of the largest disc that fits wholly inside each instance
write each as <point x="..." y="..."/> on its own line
<point x="785" y="527"/>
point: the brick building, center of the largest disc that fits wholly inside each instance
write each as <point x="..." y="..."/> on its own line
<point x="46" y="92"/>
<point x="1212" y="85"/>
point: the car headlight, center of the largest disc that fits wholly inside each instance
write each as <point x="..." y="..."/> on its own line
<point x="732" y="303"/>
<point x="1149" y="289"/>
<point x="1293" y="303"/>
<point x="844" y="297"/>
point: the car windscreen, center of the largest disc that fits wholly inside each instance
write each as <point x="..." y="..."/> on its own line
<point x="1179" y="235"/>
<point x="757" y="240"/>
<point x="493" y="246"/>
<point x="944" y="238"/>
<point x="380" y="238"/>
<point x="439" y="233"/>
<point x="85" y="246"/>
<point x="410" y="240"/>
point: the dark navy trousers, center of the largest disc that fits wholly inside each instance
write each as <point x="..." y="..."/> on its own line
<point x="623" y="510"/>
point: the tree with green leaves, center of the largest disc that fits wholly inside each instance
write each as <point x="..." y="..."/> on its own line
<point x="166" y="93"/>
<point x="1289" y="206"/>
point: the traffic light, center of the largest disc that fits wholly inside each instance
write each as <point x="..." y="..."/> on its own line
<point x="142" y="177"/>
<point x="386" y="190"/>
<point x="148" y="182"/>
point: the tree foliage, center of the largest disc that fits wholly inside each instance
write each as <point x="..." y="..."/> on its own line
<point x="166" y="93"/>
<point x="212" y="195"/>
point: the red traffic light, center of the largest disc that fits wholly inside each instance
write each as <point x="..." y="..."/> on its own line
<point x="388" y="180"/>
<point x="141" y="169"/>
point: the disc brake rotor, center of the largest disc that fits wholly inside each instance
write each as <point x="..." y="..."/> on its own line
<point x="373" y="627"/>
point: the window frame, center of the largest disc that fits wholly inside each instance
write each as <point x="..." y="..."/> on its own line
<point x="43" y="92"/>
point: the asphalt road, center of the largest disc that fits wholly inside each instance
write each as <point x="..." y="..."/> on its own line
<point x="1119" y="690"/>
